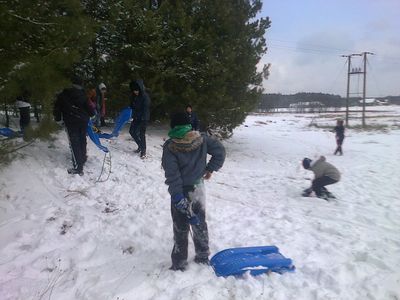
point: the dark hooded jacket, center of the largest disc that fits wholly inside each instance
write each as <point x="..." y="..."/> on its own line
<point x="72" y="107"/>
<point x="185" y="160"/>
<point x="339" y="131"/>
<point x="194" y="121"/>
<point x="140" y="104"/>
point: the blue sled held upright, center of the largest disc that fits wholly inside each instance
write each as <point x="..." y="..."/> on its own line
<point x="256" y="260"/>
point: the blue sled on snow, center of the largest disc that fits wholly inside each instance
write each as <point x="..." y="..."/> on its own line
<point x="9" y="133"/>
<point x="256" y="260"/>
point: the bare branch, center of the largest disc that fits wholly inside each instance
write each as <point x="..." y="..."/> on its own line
<point x="30" y="21"/>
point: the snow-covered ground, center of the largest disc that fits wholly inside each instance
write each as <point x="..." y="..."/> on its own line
<point x="67" y="237"/>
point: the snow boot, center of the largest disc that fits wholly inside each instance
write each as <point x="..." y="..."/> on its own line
<point x="307" y="192"/>
<point x="75" y="171"/>
<point x="182" y="267"/>
<point x="327" y="193"/>
<point x="202" y="260"/>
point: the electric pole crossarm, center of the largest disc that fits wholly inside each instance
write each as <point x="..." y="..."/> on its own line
<point x="364" y="72"/>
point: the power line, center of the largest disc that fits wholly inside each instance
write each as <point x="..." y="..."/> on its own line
<point x="375" y="81"/>
<point x="336" y="77"/>
<point x="318" y="49"/>
<point x="313" y="45"/>
<point x="304" y="50"/>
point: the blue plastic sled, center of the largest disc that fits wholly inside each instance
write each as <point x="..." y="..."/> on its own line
<point x="95" y="137"/>
<point x="256" y="260"/>
<point x="8" y="132"/>
<point x="123" y="117"/>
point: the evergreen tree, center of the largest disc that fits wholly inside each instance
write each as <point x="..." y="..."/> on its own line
<point x="39" y="42"/>
<point x="201" y="52"/>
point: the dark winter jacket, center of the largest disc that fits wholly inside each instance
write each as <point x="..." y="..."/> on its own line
<point x="140" y="104"/>
<point x="322" y="168"/>
<point x="194" y="121"/>
<point x="339" y="131"/>
<point x="72" y="107"/>
<point x="100" y="103"/>
<point x="24" y="111"/>
<point x="185" y="160"/>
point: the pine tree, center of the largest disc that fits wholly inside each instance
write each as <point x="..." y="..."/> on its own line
<point x="201" y="52"/>
<point x="40" y="42"/>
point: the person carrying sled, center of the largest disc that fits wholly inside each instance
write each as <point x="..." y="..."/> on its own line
<point x="72" y="107"/>
<point x="184" y="161"/>
<point x="324" y="174"/>
<point x="140" y="104"/>
<point x="339" y="129"/>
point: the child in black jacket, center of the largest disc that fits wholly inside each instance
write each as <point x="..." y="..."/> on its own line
<point x="339" y="129"/>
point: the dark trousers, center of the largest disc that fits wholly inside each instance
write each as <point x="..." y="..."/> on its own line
<point x="25" y="117"/>
<point x="181" y="226"/>
<point x="77" y="142"/>
<point x="319" y="183"/>
<point x="102" y="121"/>
<point x="138" y="133"/>
<point x="339" y="142"/>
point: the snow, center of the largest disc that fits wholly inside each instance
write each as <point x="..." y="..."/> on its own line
<point x="67" y="237"/>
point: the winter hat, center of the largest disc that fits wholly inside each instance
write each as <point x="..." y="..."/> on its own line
<point x="102" y="86"/>
<point x="306" y="163"/>
<point x="179" y="118"/>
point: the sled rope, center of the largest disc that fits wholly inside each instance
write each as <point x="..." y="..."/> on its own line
<point x="106" y="165"/>
<point x="19" y="147"/>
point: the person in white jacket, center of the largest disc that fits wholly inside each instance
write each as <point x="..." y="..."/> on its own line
<point x="325" y="174"/>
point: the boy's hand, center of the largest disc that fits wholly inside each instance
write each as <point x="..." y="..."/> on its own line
<point x="180" y="203"/>
<point x="207" y="175"/>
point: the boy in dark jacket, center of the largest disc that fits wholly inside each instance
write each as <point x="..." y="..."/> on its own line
<point x="72" y="107"/>
<point x="185" y="164"/>
<point x="194" y="121"/>
<point x="324" y="174"/>
<point x="24" y="108"/>
<point x="339" y="129"/>
<point x="140" y="104"/>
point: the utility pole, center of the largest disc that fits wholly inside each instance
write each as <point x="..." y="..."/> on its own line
<point x="352" y="72"/>
<point x="348" y="83"/>
<point x="364" y="85"/>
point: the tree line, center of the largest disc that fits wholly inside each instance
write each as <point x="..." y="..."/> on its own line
<point x="202" y="52"/>
<point x="270" y="102"/>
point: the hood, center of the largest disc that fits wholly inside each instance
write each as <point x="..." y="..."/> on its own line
<point x="138" y="83"/>
<point x="191" y="141"/>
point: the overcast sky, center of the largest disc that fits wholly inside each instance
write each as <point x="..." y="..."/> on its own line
<point x="307" y="38"/>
